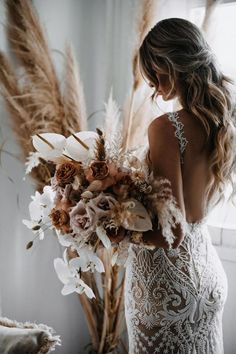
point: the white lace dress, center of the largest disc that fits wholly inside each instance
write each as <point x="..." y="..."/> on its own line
<point x="174" y="299"/>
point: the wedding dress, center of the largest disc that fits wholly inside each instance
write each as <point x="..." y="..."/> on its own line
<point x="174" y="299"/>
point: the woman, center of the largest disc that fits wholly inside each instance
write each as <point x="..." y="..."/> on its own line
<point x="174" y="297"/>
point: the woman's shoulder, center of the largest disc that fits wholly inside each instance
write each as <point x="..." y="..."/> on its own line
<point x="160" y="125"/>
<point x="160" y="121"/>
<point x="164" y="124"/>
<point x="162" y="132"/>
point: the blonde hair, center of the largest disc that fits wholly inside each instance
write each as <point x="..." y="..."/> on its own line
<point x="177" y="47"/>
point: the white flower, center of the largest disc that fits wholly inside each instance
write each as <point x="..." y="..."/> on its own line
<point x="49" y="145"/>
<point x="68" y="240"/>
<point x="81" y="151"/>
<point x="42" y="204"/>
<point x="39" y="210"/>
<point x="88" y="260"/>
<point x="35" y="227"/>
<point x="69" y="276"/>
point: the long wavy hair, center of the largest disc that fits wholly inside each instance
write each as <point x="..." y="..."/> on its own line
<point x="176" y="47"/>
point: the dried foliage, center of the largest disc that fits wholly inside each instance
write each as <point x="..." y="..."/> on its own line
<point x="100" y="146"/>
<point x="209" y="9"/>
<point x="73" y="98"/>
<point x="105" y="314"/>
<point x="32" y="92"/>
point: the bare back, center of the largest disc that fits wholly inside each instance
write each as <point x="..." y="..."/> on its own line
<point x="186" y="136"/>
<point x="195" y="166"/>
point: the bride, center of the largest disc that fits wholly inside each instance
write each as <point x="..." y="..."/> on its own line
<point x="174" y="296"/>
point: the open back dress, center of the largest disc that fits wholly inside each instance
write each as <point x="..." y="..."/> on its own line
<point x="174" y="299"/>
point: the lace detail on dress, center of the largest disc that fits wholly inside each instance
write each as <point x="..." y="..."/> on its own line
<point x="179" y="133"/>
<point x="174" y="298"/>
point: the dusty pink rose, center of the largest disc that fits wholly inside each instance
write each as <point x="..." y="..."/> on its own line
<point x="85" y="215"/>
<point x="102" y="205"/>
<point x="82" y="219"/>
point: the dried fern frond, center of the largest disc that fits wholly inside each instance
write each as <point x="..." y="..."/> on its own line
<point x="73" y="98"/>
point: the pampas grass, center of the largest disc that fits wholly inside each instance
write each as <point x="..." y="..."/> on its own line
<point x="209" y="9"/>
<point x="112" y="121"/>
<point x="32" y="94"/>
<point x="28" y="42"/>
<point x="144" y="21"/>
<point x="73" y="99"/>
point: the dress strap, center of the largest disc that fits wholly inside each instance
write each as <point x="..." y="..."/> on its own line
<point x="179" y="133"/>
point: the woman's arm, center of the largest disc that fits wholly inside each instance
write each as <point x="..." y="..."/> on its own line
<point x="165" y="163"/>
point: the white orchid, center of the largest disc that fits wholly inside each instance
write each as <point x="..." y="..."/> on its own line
<point x="69" y="274"/>
<point x="35" y="227"/>
<point x="88" y="260"/>
<point x="67" y="240"/>
<point x="39" y="210"/>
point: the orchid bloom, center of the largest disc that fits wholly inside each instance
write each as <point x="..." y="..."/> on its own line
<point x="69" y="271"/>
<point x="39" y="209"/>
<point x="69" y="276"/>
<point x="88" y="261"/>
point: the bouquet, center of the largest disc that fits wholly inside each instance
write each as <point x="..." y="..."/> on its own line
<point x="100" y="197"/>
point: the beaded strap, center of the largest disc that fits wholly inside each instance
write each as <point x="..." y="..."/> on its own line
<point x="179" y="133"/>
